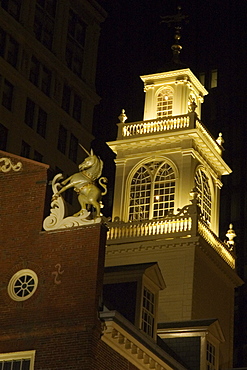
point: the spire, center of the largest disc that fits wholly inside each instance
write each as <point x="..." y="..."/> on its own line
<point x="177" y="20"/>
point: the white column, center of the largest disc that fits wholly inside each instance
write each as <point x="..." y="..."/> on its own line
<point x="150" y="103"/>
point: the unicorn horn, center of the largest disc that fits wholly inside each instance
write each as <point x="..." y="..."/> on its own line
<point x="85" y="150"/>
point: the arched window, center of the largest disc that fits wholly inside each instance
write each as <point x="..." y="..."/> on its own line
<point x="152" y="191"/>
<point x="204" y="194"/>
<point x="164" y="102"/>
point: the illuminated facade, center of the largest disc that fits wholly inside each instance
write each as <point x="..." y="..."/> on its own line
<point x="166" y="210"/>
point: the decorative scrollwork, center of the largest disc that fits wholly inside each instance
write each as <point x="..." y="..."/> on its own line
<point x="8" y="165"/>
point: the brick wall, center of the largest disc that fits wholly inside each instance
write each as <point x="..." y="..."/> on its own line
<point x="60" y="321"/>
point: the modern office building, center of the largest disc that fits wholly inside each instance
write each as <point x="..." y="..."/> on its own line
<point x="47" y="68"/>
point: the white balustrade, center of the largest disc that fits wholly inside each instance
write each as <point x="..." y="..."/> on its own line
<point x="158" y="125"/>
<point x="139" y="229"/>
<point x="170" y="228"/>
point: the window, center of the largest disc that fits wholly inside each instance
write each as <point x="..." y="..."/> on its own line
<point x="3" y="137"/>
<point x="204" y="194"/>
<point x="211" y="357"/>
<point x="35" y="117"/>
<point x="66" y="98"/>
<point x="73" y="147"/>
<point x="164" y="103"/>
<point x="12" y="51"/>
<point x="29" y="113"/>
<point x="2" y="41"/>
<point x="34" y="71"/>
<point x="17" y="360"/>
<point x="45" y="80"/>
<point x="72" y="103"/>
<point x="209" y="79"/>
<point x="37" y="156"/>
<point x="202" y="78"/>
<point x="152" y="191"/>
<point x="44" y="21"/>
<point x="40" y="76"/>
<point x="7" y="96"/>
<point x="148" y="308"/>
<point x="9" y="48"/>
<point x="62" y="139"/>
<point x="13" y="7"/>
<point x="75" y="43"/>
<point x="22" y="285"/>
<point x="213" y="78"/>
<point x="41" y="123"/>
<point x="77" y="108"/>
<point x="25" y="149"/>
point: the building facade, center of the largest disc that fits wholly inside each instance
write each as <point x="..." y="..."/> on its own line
<point x="52" y="314"/>
<point x="47" y="68"/>
<point x="166" y="210"/>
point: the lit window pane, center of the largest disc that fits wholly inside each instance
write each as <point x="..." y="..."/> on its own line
<point x="152" y="191"/>
<point x="164" y="103"/>
<point x="204" y="194"/>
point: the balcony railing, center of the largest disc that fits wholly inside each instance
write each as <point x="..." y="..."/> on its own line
<point x="149" y="228"/>
<point x="158" y="126"/>
<point x="182" y="225"/>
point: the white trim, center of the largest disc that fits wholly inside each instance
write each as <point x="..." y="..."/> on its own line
<point x="174" y="74"/>
<point x="11" y="286"/>
<point x="23" y="355"/>
<point x="134" y="350"/>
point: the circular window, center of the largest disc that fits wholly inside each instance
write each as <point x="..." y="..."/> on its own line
<point x="22" y="285"/>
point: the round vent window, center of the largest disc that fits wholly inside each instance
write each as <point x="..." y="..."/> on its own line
<point x="23" y="285"/>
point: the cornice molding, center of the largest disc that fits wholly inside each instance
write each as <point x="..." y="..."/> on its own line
<point x="140" y="351"/>
<point x="203" y="145"/>
<point x="184" y="74"/>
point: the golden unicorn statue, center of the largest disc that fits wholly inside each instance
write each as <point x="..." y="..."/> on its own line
<point x="83" y="183"/>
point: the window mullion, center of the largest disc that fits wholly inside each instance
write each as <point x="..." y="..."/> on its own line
<point x="151" y="208"/>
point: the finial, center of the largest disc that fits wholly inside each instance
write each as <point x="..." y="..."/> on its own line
<point x="177" y="19"/>
<point x="192" y="105"/>
<point x="122" y="117"/>
<point x="220" y="139"/>
<point x="230" y="235"/>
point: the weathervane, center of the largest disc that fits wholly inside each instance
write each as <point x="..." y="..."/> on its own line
<point x="177" y="20"/>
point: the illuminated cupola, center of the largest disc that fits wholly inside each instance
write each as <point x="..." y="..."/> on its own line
<point x="162" y="158"/>
<point x="172" y="93"/>
<point x="176" y="91"/>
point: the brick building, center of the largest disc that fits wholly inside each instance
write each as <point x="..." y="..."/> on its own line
<point x="51" y="287"/>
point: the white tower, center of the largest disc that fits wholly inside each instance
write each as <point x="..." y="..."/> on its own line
<point x="158" y="218"/>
